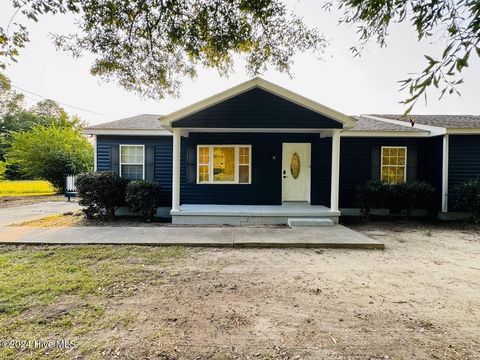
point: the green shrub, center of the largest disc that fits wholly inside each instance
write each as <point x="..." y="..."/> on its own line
<point x="404" y="196"/>
<point x="467" y="198"/>
<point x="102" y="193"/>
<point x="3" y="168"/>
<point x="143" y="197"/>
<point x="371" y="195"/>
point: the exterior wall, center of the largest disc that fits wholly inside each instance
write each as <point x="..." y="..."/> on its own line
<point x="463" y="163"/>
<point x="357" y="163"/>
<point x="257" y="108"/>
<point x="266" y="186"/>
<point x="163" y="157"/>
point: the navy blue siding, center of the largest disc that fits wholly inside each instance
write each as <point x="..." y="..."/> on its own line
<point x="266" y="186"/>
<point x="163" y="157"/>
<point x="257" y="108"/>
<point x="356" y="162"/>
<point x="463" y="162"/>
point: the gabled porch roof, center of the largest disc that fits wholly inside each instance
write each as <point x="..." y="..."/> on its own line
<point x="255" y="105"/>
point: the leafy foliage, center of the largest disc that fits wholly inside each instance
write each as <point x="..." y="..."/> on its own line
<point x="101" y="193"/>
<point x="467" y="198"/>
<point x="170" y="39"/>
<point x="456" y="22"/>
<point x="409" y="195"/>
<point x="50" y="153"/>
<point x="143" y="197"/>
<point x="371" y="195"/>
<point x="404" y="196"/>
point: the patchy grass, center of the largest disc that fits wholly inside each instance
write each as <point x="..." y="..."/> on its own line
<point x="55" y="220"/>
<point x="62" y="292"/>
<point x="26" y="188"/>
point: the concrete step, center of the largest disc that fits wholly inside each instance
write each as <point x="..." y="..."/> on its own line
<point x="310" y="222"/>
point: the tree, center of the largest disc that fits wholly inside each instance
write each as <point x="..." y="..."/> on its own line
<point x="456" y="22"/>
<point x="50" y="153"/>
<point x="148" y="46"/>
<point x="15" y="116"/>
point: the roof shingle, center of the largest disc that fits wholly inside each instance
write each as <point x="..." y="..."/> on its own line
<point x="446" y="121"/>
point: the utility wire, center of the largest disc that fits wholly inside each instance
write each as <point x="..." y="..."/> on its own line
<point x="64" y="104"/>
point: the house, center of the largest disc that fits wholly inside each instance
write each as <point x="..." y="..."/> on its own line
<point x="259" y="153"/>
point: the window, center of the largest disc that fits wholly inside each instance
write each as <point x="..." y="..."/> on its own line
<point x="132" y="162"/>
<point x="394" y="164"/>
<point x="224" y="164"/>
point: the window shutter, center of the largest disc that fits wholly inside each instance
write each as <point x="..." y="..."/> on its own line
<point x="191" y="164"/>
<point x="114" y="159"/>
<point x="376" y="163"/>
<point x="412" y="163"/>
<point x="150" y="163"/>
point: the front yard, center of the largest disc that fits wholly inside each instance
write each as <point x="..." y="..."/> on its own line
<point x="419" y="298"/>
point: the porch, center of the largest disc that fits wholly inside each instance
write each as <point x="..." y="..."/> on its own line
<point x="252" y="214"/>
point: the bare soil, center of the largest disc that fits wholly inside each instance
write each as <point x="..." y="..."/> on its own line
<point x="417" y="299"/>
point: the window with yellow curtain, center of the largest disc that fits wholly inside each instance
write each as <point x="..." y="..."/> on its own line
<point x="394" y="164"/>
<point x="224" y="164"/>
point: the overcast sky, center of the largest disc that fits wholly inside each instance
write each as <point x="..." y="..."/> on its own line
<point x="351" y="85"/>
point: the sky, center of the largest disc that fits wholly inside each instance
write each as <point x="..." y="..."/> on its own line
<point x="351" y="85"/>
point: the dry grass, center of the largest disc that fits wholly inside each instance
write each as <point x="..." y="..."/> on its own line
<point x="56" y="220"/>
<point x="26" y="188"/>
<point x="63" y="292"/>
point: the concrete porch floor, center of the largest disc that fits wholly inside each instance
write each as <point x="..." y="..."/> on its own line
<point x="332" y="237"/>
<point x="211" y="214"/>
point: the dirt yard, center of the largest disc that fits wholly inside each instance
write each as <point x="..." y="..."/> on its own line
<point x="417" y="299"/>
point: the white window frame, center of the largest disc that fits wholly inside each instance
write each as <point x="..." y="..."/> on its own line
<point x="381" y="161"/>
<point x="122" y="163"/>
<point x="237" y="164"/>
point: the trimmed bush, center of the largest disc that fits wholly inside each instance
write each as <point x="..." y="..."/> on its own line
<point x="102" y="193"/>
<point x="407" y="196"/>
<point x="467" y="198"/>
<point x="143" y="197"/>
<point x="371" y="195"/>
<point x="398" y="198"/>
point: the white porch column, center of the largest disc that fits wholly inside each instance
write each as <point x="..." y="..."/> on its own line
<point x="94" y="152"/>
<point x="445" y="174"/>
<point x="176" y="170"/>
<point x="335" y="170"/>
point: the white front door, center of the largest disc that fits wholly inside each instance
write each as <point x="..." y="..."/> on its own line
<point x="296" y="171"/>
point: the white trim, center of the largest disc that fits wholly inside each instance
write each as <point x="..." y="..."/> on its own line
<point x="94" y="152"/>
<point x="265" y="85"/>
<point x="465" y="131"/>
<point x="404" y="165"/>
<point x="120" y="158"/>
<point x="445" y="155"/>
<point x="335" y="176"/>
<point x="237" y="164"/>
<point x="256" y="130"/>
<point x="367" y="133"/>
<point x="177" y="139"/>
<point x="434" y="130"/>
<point x="88" y="131"/>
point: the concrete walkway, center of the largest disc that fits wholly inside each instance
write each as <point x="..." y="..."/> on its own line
<point x="328" y="237"/>
<point x="22" y="213"/>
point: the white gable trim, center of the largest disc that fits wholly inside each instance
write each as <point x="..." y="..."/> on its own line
<point x="402" y="134"/>
<point x="434" y="130"/>
<point x="347" y="121"/>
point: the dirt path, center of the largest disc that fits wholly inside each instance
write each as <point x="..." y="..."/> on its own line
<point x="419" y="298"/>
